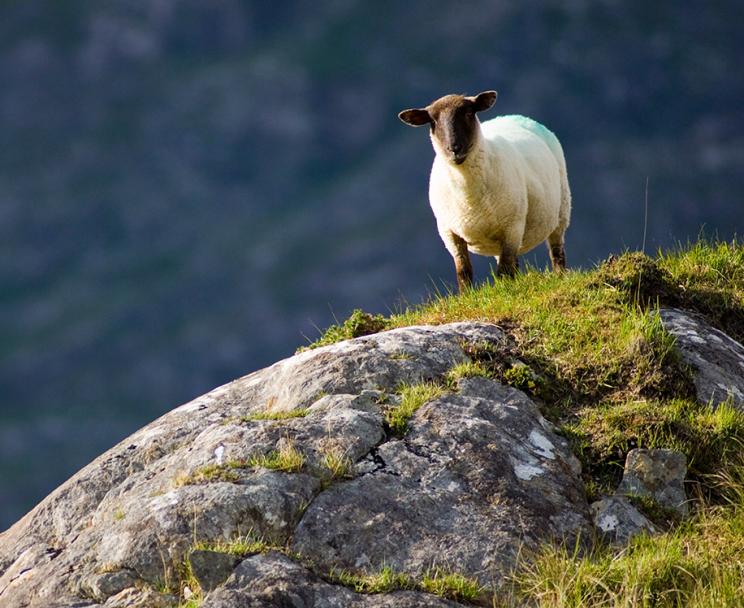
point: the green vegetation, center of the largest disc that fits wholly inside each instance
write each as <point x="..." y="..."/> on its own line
<point x="451" y="585"/>
<point x="287" y="458"/>
<point x="337" y="462"/>
<point x="360" y="323"/>
<point x="382" y="582"/>
<point x="210" y="473"/>
<point x="412" y="397"/>
<point x="239" y="546"/>
<point x="590" y="346"/>
<point x="601" y="436"/>
<point x="468" y="369"/>
<point x="698" y="564"/>
<point x="299" y="412"/>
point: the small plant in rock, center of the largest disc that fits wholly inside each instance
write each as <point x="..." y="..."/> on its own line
<point x="210" y="473"/>
<point x="359" y="324"/>
<point x="119" y="514"/>
<point x="300" y="412"/>
<point x="287" y="458"/>
<point x="384" y="581"/>
<point x="452" y="585"/>
<point x="337" y="462"/>
<point x="468" y="369"/>
<point x="239" y="546"/>
<point x="522" y="377"/>
<point x="412" y="397"/>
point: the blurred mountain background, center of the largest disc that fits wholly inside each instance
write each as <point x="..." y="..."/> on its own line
<point x="190" y="188"/>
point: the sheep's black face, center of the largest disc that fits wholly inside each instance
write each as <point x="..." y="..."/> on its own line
<point x="454" y="126"/>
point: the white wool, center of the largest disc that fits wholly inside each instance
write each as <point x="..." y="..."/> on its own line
<point x="511" y="190"/>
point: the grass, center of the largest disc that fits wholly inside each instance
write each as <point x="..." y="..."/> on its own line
<point x="451" y="585"/>
<point x="711" y="438"/>
<point x="412" y="397"/>
<point x="468" y="369"/>
<point x="337" y="463"/>
<point x="698" y="564"/>
<point x="299" y="412"/>
<point x="384" y="581"/>
<point x="358" y="324"/>
<point x="210" y="473"/>
<point x="240" y="546"/>
<point x="287" y="458"/>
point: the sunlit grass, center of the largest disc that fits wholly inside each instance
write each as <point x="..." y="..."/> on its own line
<point x="412" y="397"/>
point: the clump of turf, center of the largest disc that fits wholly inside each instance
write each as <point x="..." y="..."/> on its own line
<point x="358" y="324"/>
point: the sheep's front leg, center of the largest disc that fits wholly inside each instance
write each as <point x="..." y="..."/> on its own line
<point x="508" y="262"/>
<point x="463" y="267"/>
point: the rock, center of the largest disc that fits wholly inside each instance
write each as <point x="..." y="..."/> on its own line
<point x="717" y="359"/>
<point x="134" y="597"/>
<point x="617" y="521"/>
<point x="479" y="474"/>
<point x="658" y="474"/>
<point x="211" y="568"/>
<point x="267" y="581"/>
<point x="103" y="585"/>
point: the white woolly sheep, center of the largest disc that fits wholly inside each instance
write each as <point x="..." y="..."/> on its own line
<point x="498" y="188"/>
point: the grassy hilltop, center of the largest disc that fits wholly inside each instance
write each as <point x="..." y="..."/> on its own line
<point x="589" y="347"/>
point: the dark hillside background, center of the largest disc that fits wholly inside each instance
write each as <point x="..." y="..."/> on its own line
<point x="189" y="188"/>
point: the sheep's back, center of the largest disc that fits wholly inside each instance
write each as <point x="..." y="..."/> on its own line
<point x="537" y="152"/>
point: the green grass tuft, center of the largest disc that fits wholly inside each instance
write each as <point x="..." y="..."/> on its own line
<point x="451" y="585"/>
<point x="239" y="546"/>
<point x="359" y="324"/>
<point x="299" y="412"/>
<point x="384" y="581"/>
<point x="287" y="458"/>
<point x="412" y="397"/>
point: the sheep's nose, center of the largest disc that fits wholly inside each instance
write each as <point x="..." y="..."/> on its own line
<point x="456" y="148"/>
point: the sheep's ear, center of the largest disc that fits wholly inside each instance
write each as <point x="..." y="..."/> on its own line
<point x="415" y="118"/>
<point x="485" y="100"/>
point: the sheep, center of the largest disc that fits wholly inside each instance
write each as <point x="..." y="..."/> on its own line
<point x="497" y="188"/>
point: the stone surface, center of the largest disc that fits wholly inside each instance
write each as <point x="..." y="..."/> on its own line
<point x="211" y="568"/>
<point x="479" y="474"/>
<point x="271" y="580"/>
<point x="618" y="521"/>
<point x="658" y="474"/>
<point x="717" y="359"/>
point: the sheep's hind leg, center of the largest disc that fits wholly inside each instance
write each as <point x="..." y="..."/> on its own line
<point x="463" y="268"/>
<point x="557" y="251"/>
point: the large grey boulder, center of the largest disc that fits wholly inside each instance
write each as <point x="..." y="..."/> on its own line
<point x="479" y="475"/>
<point x="716" y="358"/>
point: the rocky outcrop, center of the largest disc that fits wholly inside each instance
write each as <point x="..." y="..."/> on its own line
<point x="716" y="358"/>
<point x="276" y="488"/>
<point x="479" y="475"/>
